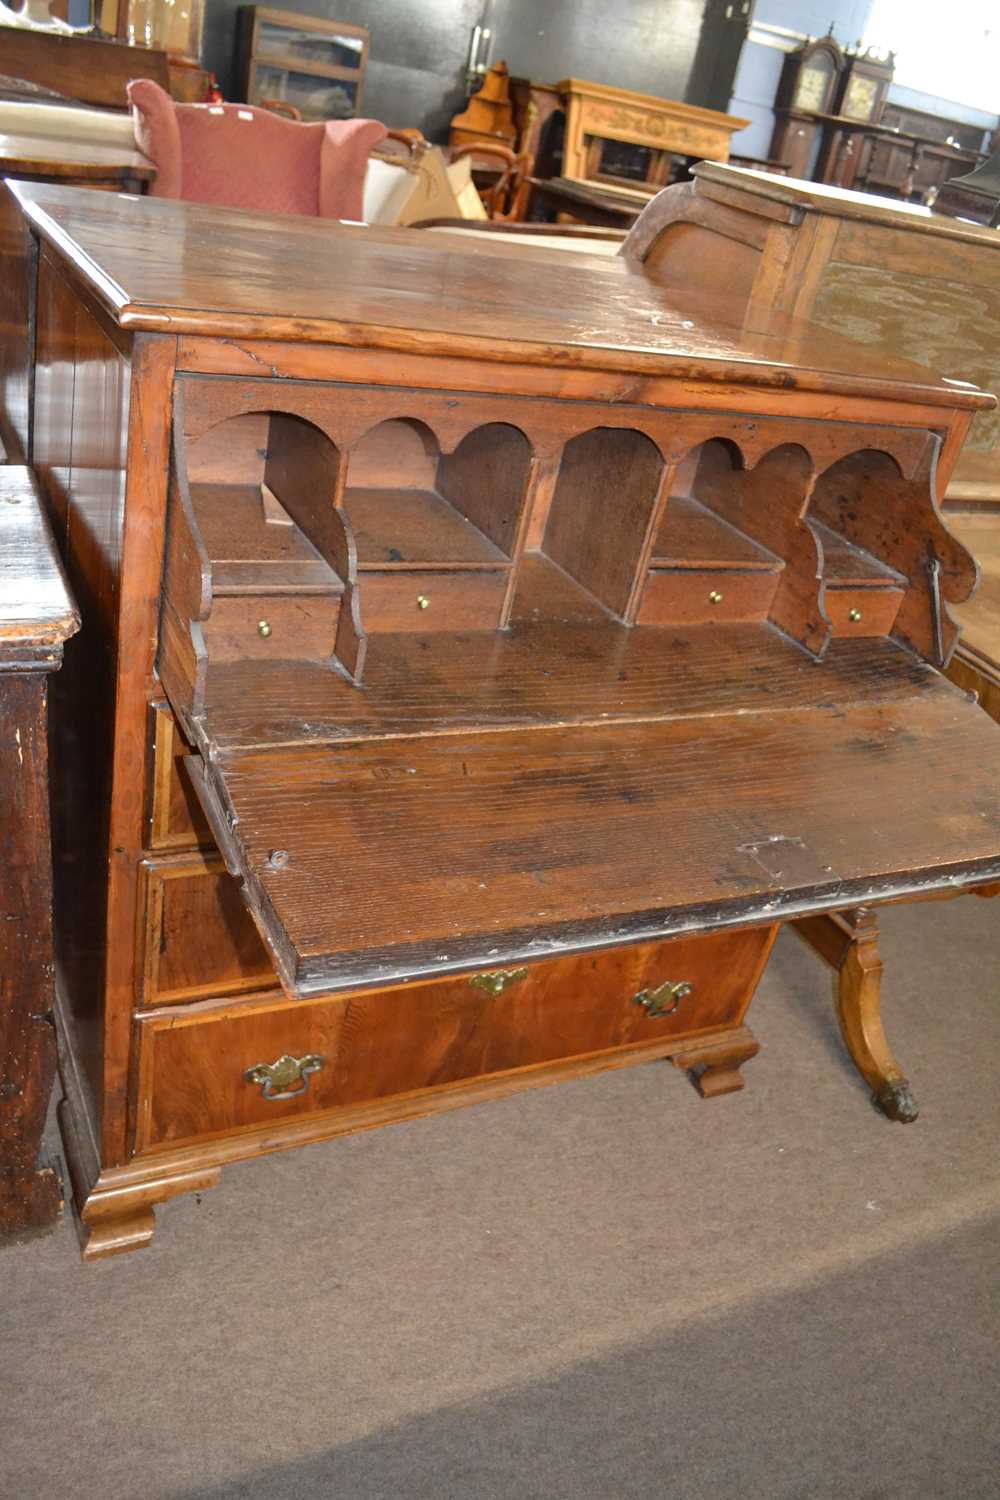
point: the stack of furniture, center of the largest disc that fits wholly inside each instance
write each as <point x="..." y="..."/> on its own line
<point x="478" y="662"/>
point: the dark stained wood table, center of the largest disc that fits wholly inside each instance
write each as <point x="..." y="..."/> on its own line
<point x="35" y="158"/>
<point x="589" y="202"/>
<point x="37" y="615"/>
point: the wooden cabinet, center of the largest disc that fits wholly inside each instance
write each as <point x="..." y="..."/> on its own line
<point x="315" y="65"/>
<point x="479" y="662"/>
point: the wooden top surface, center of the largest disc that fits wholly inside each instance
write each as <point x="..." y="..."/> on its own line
<point x="41" y="155"/>
<point x="175" y="267"/>
<point x="481" y="846"/>
<point x="36" y="607"/>
<point x="676" y="107"/>
<point x="822" y="198"/>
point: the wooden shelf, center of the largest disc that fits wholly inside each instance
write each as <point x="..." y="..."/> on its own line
<point x="847" y="566"/>
<point x="286" y="62"/>
<point x="251" y="556"/>
<point x="690" y="536"/>
<point x="410" y="529"/>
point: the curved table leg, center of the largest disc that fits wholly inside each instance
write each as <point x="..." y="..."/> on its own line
<point x="848" y="941"/>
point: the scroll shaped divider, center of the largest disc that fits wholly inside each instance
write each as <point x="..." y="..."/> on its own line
<point x="305" y="472"/>
<point x="182" y="658"/>
<point x="894" y="516"/>
<point x="767" y="502"/>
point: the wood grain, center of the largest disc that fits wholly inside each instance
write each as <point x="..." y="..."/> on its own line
<point x="578" y="837"/>
<point x="386" y="289"/>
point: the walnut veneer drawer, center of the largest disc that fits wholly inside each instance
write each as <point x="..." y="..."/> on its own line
<point x="174" y="816"/>
<point x="862" y="611"/>
<point x="432" y="601"/>
<point x="682" y="596"/>
<point x="205" y="1072"/>
<point x="270" y="627"/>
<point x="196" y="938"/>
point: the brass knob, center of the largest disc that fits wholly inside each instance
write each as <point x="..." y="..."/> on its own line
<point x="423" y="602"/>
<point x="263" y="628"/>
<point x="854" y="615"/>
<point x="715" y="597"/>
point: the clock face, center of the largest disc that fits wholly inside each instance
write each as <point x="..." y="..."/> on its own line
<point x="859" y="101"/>
<point x="810" y="93"/>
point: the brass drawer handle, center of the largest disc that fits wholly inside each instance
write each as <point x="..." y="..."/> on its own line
<point x="495" y="981"/>
<point x="285" y="1077"/>
<point x="665" y="999"/>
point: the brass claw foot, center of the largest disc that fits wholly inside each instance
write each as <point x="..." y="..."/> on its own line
<point x="895" y="1099"/>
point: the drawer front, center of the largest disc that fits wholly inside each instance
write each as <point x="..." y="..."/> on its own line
<point x="197" y="938"/>
<point x="265" y="627"/>
<point x="683" y="596"/>
<point x="374" y="1045"/>
<point x="862" y="611"/>
<point x="432" y="601"/>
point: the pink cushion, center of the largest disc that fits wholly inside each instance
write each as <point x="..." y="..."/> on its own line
<point x="238" y="156"/>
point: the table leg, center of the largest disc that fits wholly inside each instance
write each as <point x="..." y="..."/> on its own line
<point x="848" y="942"/>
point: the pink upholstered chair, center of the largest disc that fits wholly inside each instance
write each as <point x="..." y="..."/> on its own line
<point x="240" y="157"/>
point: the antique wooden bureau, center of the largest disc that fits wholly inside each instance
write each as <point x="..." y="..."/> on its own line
<point x="479" y="659"/>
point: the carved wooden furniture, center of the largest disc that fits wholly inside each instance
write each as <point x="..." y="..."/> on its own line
<point x="316" y="65"/>
<point x="892" y="275"/>
<point x="37" y="615"/>
<point x="947" y="148"/>
<point x="479" y="659"/>
<point x="488" y="115"/>
<point x="808" y="86"/>
<point x="613" y="135"/>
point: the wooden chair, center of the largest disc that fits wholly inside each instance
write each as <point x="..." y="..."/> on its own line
<point x="507" y="197"/>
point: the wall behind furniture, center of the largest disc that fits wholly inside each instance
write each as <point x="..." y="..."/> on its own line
<point x="419" y="48"/>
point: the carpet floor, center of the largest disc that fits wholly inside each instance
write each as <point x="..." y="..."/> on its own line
<point x="607" y="1290"/>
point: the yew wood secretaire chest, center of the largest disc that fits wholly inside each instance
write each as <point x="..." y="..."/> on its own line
<point x="481" y="655"/>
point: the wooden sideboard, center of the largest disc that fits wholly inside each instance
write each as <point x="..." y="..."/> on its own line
<point x="37" y="616"/>
<point x="597" y="114"/>
<point x="479" y="660"/>
<point x="892" y="275"/>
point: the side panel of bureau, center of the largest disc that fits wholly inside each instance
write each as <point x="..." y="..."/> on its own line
<point x="380" y="1044"/>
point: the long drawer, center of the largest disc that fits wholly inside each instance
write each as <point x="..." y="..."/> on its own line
<point x="215" y="1070"/>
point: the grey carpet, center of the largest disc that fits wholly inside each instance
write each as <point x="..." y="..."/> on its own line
<point x="605" y="1289"/>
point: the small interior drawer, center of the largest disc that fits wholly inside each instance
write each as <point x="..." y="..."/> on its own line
<point x="432" y="601"/>
<point x="197" y="938"/>
<point x="685" y="596"/>
<point x="174" y="819"/>
<point x="376" y="1044"/>
<point x="862" y="611"/>
<point x="271" y="627"/>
